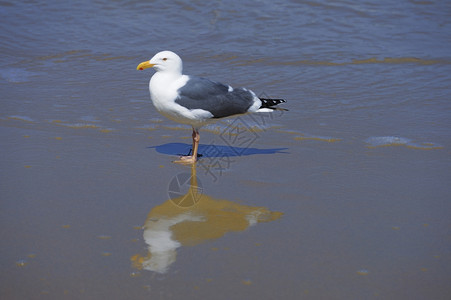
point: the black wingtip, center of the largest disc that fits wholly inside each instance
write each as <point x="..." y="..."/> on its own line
<point x="269" y="103"/>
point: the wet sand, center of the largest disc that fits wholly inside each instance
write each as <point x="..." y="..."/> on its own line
<point x="329" y="218"/>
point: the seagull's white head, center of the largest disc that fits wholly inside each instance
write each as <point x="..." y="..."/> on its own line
<point x="164" y="61"/>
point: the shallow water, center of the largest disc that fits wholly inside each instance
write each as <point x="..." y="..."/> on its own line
<point x="343" y="196"/>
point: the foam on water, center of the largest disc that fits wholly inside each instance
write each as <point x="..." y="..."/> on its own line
<point x="378" y="141"/>
<point x="79" y="125"/>
<point x="20" y="118"/>
<point x="387" y="141"/>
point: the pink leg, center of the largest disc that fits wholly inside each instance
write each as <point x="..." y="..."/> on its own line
<point x="192" y="158"/>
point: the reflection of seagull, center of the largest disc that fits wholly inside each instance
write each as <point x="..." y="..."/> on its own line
<point x="196" y="101"/>
<point x="161" y="243"/>
<point x="170" y="226"/>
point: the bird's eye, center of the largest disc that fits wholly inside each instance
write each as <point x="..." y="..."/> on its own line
<point x="165" y="59"/>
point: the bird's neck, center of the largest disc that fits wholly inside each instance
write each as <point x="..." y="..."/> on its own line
<point x="165" y="78"/>
<point x="164" y="86"/>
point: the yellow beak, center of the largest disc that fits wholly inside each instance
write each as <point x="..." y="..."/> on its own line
<point x="144" y="65"/>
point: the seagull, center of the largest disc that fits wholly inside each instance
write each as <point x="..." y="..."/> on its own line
<point x="197" y="101"/>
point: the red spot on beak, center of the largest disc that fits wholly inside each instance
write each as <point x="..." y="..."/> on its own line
<point x="141" y="69"/>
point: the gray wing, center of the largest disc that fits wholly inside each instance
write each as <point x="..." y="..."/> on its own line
<point x="201" y="93"/>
